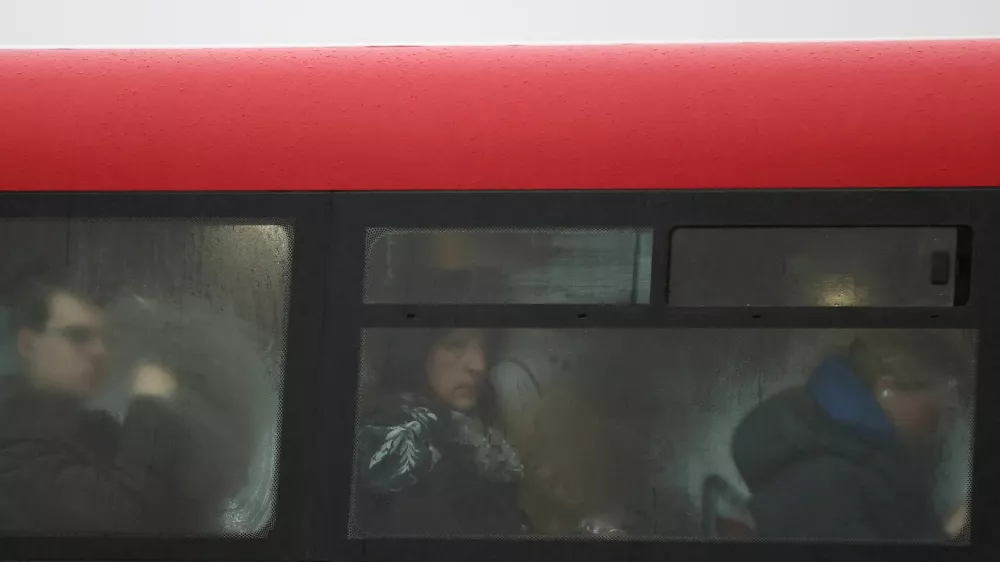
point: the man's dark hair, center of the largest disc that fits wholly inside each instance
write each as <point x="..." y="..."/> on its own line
<point x="33" y="298"/>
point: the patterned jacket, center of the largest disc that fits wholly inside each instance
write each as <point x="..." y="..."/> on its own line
<point x="432" y="471"/>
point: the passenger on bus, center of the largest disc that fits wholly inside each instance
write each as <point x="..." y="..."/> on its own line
<point x="430" y="460"/>
<point x="849" y="456"/>
<point x="64" y="468"/>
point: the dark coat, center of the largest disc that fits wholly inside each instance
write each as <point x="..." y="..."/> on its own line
<point x="822" y="462"/>
<point x="421" y="473"/>
<point x="67" y="470"/>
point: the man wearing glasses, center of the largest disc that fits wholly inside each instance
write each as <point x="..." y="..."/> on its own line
<point x="850" y="455"/>
<point x="65" y="469"/>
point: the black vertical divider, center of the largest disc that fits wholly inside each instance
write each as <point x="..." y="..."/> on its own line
<point x="963" y="265"/>
<point x="659" y="281"/>
<point x="984" y="297"/>
<point x="303" y="414"/>
<point x="338" y="381"/>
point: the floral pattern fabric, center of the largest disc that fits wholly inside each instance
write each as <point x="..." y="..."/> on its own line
<point x="399" y="448"/>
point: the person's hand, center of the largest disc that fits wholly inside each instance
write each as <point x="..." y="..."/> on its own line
<point x="958" y="520"/>
<point x="605" y="525"/>
<point x="155" y="381"/>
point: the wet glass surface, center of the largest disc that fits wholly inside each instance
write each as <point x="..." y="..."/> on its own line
<point x="812" y="266"/>
<point x="509" y="266"/>
<point x="207" y="304"/>
<point x="635" y="432"/>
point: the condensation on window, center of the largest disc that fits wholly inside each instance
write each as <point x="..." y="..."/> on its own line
<point x="637" y="432"/>
<point x="570" y="266"/>
<point x="807" y="266"/>
<point x="207" y="301"/>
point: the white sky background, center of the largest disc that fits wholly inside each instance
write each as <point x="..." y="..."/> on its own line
<point x="168" y="23"/>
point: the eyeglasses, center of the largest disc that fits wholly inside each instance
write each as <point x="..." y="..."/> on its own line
<point x="945" y="390"/>
<point x="80" y="336"/>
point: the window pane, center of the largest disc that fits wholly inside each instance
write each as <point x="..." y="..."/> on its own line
<point x="142" y="367"/>
<point x="815" y="266"/>
<point x="664" y="433"/>
<point x="509" y="266"/>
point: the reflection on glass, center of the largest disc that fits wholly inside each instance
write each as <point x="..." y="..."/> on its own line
<point x="839" y="290"/>
<point x="143" y="376"/>
<point x="509" y="266"/>
<point x="812" y="266"/>
<point x="727" y="434"/>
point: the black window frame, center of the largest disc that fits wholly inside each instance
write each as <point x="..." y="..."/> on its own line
<point x="308" y="214"/>
<point x="957" y="269"/>
<point x="327" y="315"/>
<point x="663" y="211"/>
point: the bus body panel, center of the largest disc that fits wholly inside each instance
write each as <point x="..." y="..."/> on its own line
<point x="817" y="115"/>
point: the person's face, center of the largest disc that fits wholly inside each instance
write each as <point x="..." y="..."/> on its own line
<point x="69" y="355"/>
<point x="918" y="411"/>
<point x="456" y="369"/>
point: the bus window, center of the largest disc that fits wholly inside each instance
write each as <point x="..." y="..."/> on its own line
<point x="857" y="266"/>
<point x="782" y="434"/>
<point x="142" y="376"/>
<point x="509" y="266"/>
